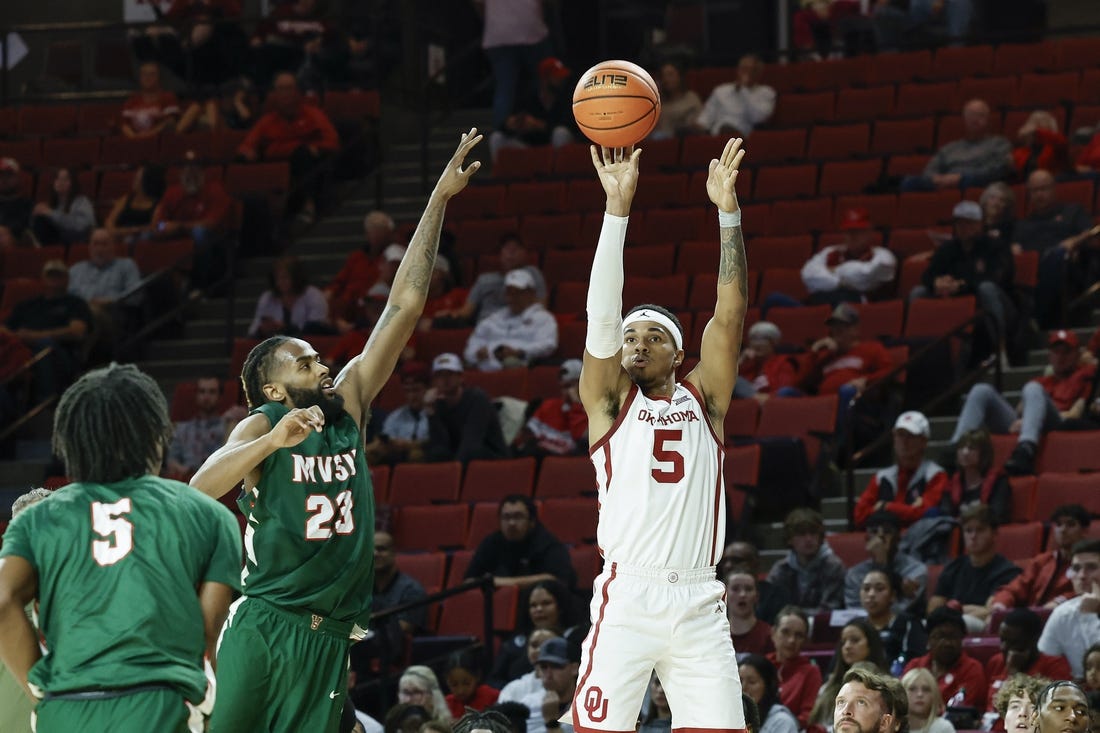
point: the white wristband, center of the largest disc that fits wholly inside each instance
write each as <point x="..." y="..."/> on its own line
<point x="728" y="219"/>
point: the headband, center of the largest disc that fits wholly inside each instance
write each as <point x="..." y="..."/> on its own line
<point x="660" y="319"/>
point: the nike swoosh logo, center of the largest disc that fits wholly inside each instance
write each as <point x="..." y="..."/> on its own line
<point x="332" y="695"/>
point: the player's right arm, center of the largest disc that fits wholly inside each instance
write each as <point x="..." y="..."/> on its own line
<point x="18" y="643"/>
<point x="249" y="444"/>
<point x="604" y="382"/>
<point x="214" y="599"/>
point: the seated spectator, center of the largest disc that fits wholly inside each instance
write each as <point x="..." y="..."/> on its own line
<point x="528" y="683"/>
<point x="1088" y="158"/>
<point x="15" y="206"/>
<point x="443" y="294"/>
<point x="749" y="633"/>
<point x="1044" y="581"/>
<point x="297" y="132"/>
<point x="368" y="310"/>
<point x="559" y="425"/>
<point x="902" y="634"/>
<point x="131" y="216"/>
<point x="771" y="598"/>
<point x="487" y="294"/>
<point x="68" y="216"/>
<point x="392" y="588"/>
<point x="1045" y="402"/>
<point x="109" y="285"/>
<point x="469" y="426"/>
<point x="858" y="643"/>
<point x="151" y="110"/>
<point x="883" y="535"/>
<point x="998" y="202"/>
<point x="522" y="552"/>
<point x="968" y="581"/>
<point x="799" y="678"/>
<point x="195" y="42"/>
<point x="658" y="719"/>
<point x="1020" y="653"/>
<point x="202" y="210"/>
<point x="1062" y="233"/>
<point x="544" y="117"/>
<point x="463" y="676"/>
<point x="548" y="609"/>
<point x="406" y="430"/>
<point x="978" y="159"/>
<point x="761" y="371"/>
<point x="234" y="107"/>
<point x="735" y="108"/>
<point x="291" y="305"/>
<point x="195" y="439"/>
<point x="975" y="482"/>
<point x="1015" y="703"/>
<point x="811" y="573"/>
<point x="911" y="488"/>
<point x="1040" y="145"/>
<point x="360" y="269"/>
<point x="842" y="363"/>
<point x="296" y="39"/>
<point x="1074" y="626"/>
<point x="971" y="264"/>
<point x="852" y="271"/>
<point x="760" y="681"/>
<point x="961" y="678"/>
<point x="925" y="703"/>
<point x="516" y="335"/>
<point x="679" y="105"/>
<point x="55" y="319"/>
<point x="558" y="666"/>
<point x="419" y="687"/>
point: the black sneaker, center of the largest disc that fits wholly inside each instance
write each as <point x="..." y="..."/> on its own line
<point x="1022" y="460"/>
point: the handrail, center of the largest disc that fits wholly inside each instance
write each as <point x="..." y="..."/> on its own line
<point x="855" y="457"/>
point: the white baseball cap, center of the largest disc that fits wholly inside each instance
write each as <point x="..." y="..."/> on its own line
<point x="393" y="253"/>
<point x="914" y="423"/>
<point x="570" y="370"/>
<point x="447" y="363"/>
<point x="765" y="330"/>
<point x="967" y="210"/>
<point x="521" y="279"/>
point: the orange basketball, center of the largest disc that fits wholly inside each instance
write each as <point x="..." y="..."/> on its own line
<point x="616" y="104"/>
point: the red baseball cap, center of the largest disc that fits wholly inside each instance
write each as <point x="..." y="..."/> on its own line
<point x="856" y="218"/>
<point x="1064" y="337"/>
<point x="552" y="67"/>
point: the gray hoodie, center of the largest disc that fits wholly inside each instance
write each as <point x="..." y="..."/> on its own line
<point x="817" y="585"/>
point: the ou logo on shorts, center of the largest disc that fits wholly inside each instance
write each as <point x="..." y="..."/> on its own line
<point x="595" y="704"/>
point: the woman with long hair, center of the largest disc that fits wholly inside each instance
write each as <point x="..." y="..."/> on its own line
<point x="419" y="686"/>
<point x="549" y="606"/>
<point x="976" y="481"/>
<point x="925" y="703"/>
<point x="131" y="215"/>
<point x="68" y="216"/>
<point x="760" y="681"/>
<point x="658" y="718"/>
<point x="859" y="642"/>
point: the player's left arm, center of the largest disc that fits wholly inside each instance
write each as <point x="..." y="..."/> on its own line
<point x="716" y="373"/>
<point x="364" y="376"/>
<point x="18" y="643"/>
<point x="214" y="599"/>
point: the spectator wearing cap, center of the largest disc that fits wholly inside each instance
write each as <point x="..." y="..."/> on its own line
<point x="558" y="665"/>
<point x="968" y="581"/>
<point x="1045" y="583"/>
<point x="68" y="216"/>
<point x="852" y="271"/>
<point x="1074" y="626"/>
<point x="360" y="269"/>
<point x="487" y="294"/>
<point x="1063" y="235"/>
<point x="761" y="371"/>
<point x="518" y="333"/>
<point x="911" y="488"/>
<point x="152" y="109"/>
<point x="811" y="573"/>
<point x="468" y="426"/>
<point x="979" y="158"/>
<point x="15" y="206"/>
<point x="406" y="431"/>
<point x="56" y="319"/>
<point x="559" y="425"/>
<point x="1045" y="403"/>
<point x="544" y="117"/>
<point x="883" y="549"/>
<point x="387" y="271"/>
<point x="961" y="678"/>
<point x="291" y="305"/>
<point x="971" y="264"/>
<point x="737" y="107"/>
<point x="515" y="39"/>
<point x="1019" y="633"/>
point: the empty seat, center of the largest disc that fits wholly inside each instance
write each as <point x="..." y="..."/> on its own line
<point x="905" y="165"/>
<point x="380" y="481"/>
<point x="565" y="264"/>
<point x="862" y="104"/>
<point x="1089" y="92"/>
<point x="571" y="338"/>
<point x="523" y="163"/>
<point x="926" y="208"/>
<point x="800" y="326"/>
<point x="662" y="189"/>
<point x="424" y="483"/>
<point x="1020" y="541"/>
<point x="799" y="417"/>
<point x="152" y="257"/>
<point x="426" y="567"/>
<point x="932" y="317"/>
<point x="543" y="231"/>
<point x="803" y="110"/>
<point x="128" y="151"/>
<point x="881" y="320"/>
<point x="908" y="242"/>
<point x="1076" y="53"/>
<point x="49" y="121"/>
<point x="704" y="288"/>
<point x="672" y="289"/>
<point x="1068" y="452"/>
<point x="1046" y="90"/>
<point x="894" y="68"/>
<point x="796" y="217"/>
<point x="97" y="118"/>
<point x="476" y="202"/>
<point x="698" y="150"/>
<point x="765" y="253"/>
<point x="1055" y="489"/>
<point x="571" y="520"/>
<point x="25" y="262"/>
<point x="460" y="563"/>
<point x="484" y="235"/>
<point x="583" y="195"/>
<point x="570" y="297"/>
<point x="565" y="476"/>
<point x="16" y="290"/>
<point x="1023" y="497"/>
<point x="647" y="261"/>
<point x="492" y="480"/>
<point x="587" y="563"/>
<point x="70" y="152"/>
<point x="958" y="62"/>
<point x="28" y="153"/>
<point x="916" y="100"/>
<point x="257" y="178"/>
<point x="783" y="280"/>
<point x="431" y="344"/>
<point x="850" y="547"/>
<point x="1076" y="192"/>
<point x="777" y="146"/>
<point x="670" y="226"/>
<point x="430" y="527"/>
<point x="573" y="160"/>
<point x="484" y="520"/>
<point x="741" y="419"/>
<point x="999" y="91"/>
<point x="742" y="466"/>
<point x="840" y="141"/>
<point x="849" y="176"/>
<point x="464" y="614"/>
<point x="355" y="105"/>
<point x="1022" y="58"/>
<point x="903" y="136"/>
<point x="534" y="198"/>
<point x="786" y="182"/>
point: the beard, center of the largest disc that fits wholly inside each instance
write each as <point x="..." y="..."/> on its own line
<point x="332" y="406"/>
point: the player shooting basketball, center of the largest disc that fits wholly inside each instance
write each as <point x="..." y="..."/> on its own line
<point x="657" y="450"/>
<point x="308" y="575"/>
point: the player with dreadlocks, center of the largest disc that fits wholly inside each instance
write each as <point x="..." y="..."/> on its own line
<point x="114" y="560"/>
<point x="309" y="568"/>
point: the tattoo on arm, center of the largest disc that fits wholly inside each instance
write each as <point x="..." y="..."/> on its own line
<point x="386" y="317"/>
<point x="732" y="266"/>
<point x="424" y="247"/>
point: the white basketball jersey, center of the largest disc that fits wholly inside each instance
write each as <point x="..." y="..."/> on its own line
<point x="659" y="473"/>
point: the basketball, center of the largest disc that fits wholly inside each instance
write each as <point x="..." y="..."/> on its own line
<point x="616" y="104"/>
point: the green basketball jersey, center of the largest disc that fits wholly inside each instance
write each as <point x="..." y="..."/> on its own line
<point x="309" y="543"/>
<point x="118" y="567"/>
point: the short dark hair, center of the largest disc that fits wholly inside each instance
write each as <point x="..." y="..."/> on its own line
<point x="663" y="311"/>
<point x="511" y="237"/>
<point x="112" y="424"/>
<point x="945" y="616"/>
<point x="1048" y="692"/>
<point x="491" y="720"/>
<point x="803" y="521"/>
<point x="1090" y="546"/>
<point x="979" y="513"/>
<point x="896" y="704"/>
<point x="516" y="712"/>
<point x="470" y="660"/>
<point x="527" y="501"/>
<point x="1071" y="511"/>
<point x="1025" y="620"/>
<point x="256" y="371"/>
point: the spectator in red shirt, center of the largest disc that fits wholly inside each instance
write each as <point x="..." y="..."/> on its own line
<point x="360" y="269"/>
<point x="151" y="110"/>
<point x="464" y="675"/>
<point x="1044" y="582"/>
<point x="762" y="372"/>
<point x="923" y="480"/>
<point x="1040" y="145"/>
<point x="1020" y="654"/>
<point x="961" y="678"/>
<point x="294" y="131"/>
<point x="443" y="296"/>
<point x="559" y="425"/>
<point x="750" y="634"/>
<point x="799" y="678"/>
<point x="1044" y="403"/>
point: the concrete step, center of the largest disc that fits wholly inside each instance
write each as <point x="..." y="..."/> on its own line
<point x="189" y="348"/>
<point x="176" y="370"/>
<point x="1016" y="378"/>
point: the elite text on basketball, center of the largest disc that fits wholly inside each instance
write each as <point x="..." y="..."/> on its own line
<point x="605" y="80"/>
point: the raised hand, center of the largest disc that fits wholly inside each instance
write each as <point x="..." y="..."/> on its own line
<point x="723" y="176"/>
<point x="296" y="425"/>
<point x="618" y="172"/>
<point x="454" y="178"/>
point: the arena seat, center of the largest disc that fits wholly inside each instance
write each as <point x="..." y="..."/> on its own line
<point x="477" y="202"/>
<point x="354" y="105"/>
<point x="16" y="290"/>
<point x="664" y="227"/>
<point x="698" y="150"/>
<point x="523" y="163"/>
<point x="1023" y="498"/>
<point x="777" y="146"/>
<point x="492" y="480"/>
<point x="543" y="380"/>
<point x="27" y="262"/>
<point x="1027" y="268"/>
<point x="926" y="208"/>
<point x="128" y="151"/>
<point x="1081" y="193"/>
<point x="587" y="563"/>
<point x="565" y="476"/>
<point x="849" y="176"/>
<point x="544" y="231"/>
<point x="783" y="280"/>
<point x="153" y="256"/>
<point x="424" y="483"/>
<point x="998" y="91"/>
<point x="741" y="419"/>
<point x="1045" y="90"/>
<point x="881" y="208"/>
<point x="863" y="104"/>
<point x="882" y="319"/>
<point x="1069" y="452"/>
<point x="659" y="154"/>
<point x="1055" y="489"/>
<point x="850" y="547"/>
<point x="1071" y="54"/>
<point x="463" y="614"/>
<point x="917" y="100"/>
<point x="663" y="190"/>
<point x="932" y="317"/>
<point x="804" y="110"/>
<point x="1022" y="58"/>
<point x="800" y="326"/>
<point x="798" y="417"/>
<point x="542" y="197"/>
<point x="430" y="344"/>
<point x="573" y="159"/>
<point x="765" y="253"/>
<point x="959" y="62"/>
<point x="97" y="118"/>
<point x="182" y="406"/>
<point x="672" y="290"/>
<point x="559" y="265"/>
<point x="906" y="243"/>
<point x="584" y="194"/>
<point x="904" y="165"/>
<point x="70" y="152"/>
<point x="654" y="260"/>
<point x="570" y="297"/>
<point x="430" y="527"/>
<point x="1019" y="542"/>
<point x="796" y="217"/>
<point x="1089" y="93"/>
<point x="786" y="182"/>
<point x="456" y="570"/>
<point x="47" y="121"/>
<point x="829" y="239"/>
<point x="484" y="520"/>
<point x="268" y="178"/>
<point x="903" y="136"/>
<point x="742" y="466"/>
<point x="380" y="481"/>
<point x="504" y="383"/>
<point x="426" y="567"/>
<point x="483" y="235"/>
<point x="571" y="338"/>
<point x="833" y="142"/>
<point x="571" y="520"/>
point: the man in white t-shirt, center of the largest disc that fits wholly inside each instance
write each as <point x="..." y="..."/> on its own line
<point x="737" y="107"/>
<point x="1075" y="625"/>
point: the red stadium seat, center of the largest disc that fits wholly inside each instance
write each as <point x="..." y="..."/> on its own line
<point x="269" y="178"/>
<point x="787" y="281"/>
<point x="895" y="68"/>
<point x="1003" y="446"/>
<point x="484" y="520"/>
<point x="698" y="150"/>
<point x="741" y="419"/>
<point x="174" y="148"/>
<point x="492" y="480"/>
<point x="572" y="160"/>
<point x="565" y="476"/>
<point x="835" y="73"/>
<point x="1085" y="115"/>
<point x="1076" y="192"/>
<point x="659" y="154"/>
<point x="424" y="483"/>
<point x="570" y="297"/>
<point x="506" y="383"/>
<point x="543" y="231"/>
<point x="380" y="480"/>
<point x="850" y="547"/>
<point x="646" y="261"/>
<point x="1023" y="497"/>
<point x="796" y="217"/>
<point x="426" y="567"/>
<point x="431" y="344"/>
<point x="786" y="182"/>
<point x="460" y="561"/>
<point x="1020" y="541"/>
<point x="958" y="62"/>
<point x="484" y="235"/>
<point x="16" y="290"/>
<point x="916" y="100"/>
<point x="662" y="189"/>
<point x="587" y="563"/>
<point x="573" y="521"/>
<point x="904" y="165"/>
<point x="1022" y="58"/>
<point x="931" y="317"/>
<point x="1089" y="92"/>
<point x="543" y="381"/>
<point x="430" y="527"/>
<point x="849" y="176"/>
<point x="477" y="202"/>
<point x="523" y="163"/>
<point x="859" y="105"/>
<point x="1027" y="268"/>
<point x="583" y="194"/>
<point x="906" y="243"/>
<point x="881" y="208"/>
<point x="183" y="399"/>
<point x="765" y="253"/>
<point x="924" y="209"/>
<point x="1076" y="53"/>
<point x="70" y="152"/>
<point x="571" y="339"/>
<point x="49" y="121"/>
<point x="565" y="264"/>
<point x="671" y="288"/>
<point x="670" y="226"/>
<point x="798" y="417"/>
<point x="903" y="136"/>
<point x="704" y="289"/>
<point x="804" y="110"/>
<point x="998" y="91"/>
<point x="152" y="257"/>
<point x="355" y="105"/>
<point x="841" y="141"/>
<point x="534" y="198"/>
<point x="1055" y="489"/>
<point x="128" y="151"/>
<point x="1047" y="90"/>
<point x="25" y="262"/>
<point x="881" y="320"/>
<point x="28" y="153"/>
<point x="742" y="466"/>
<point x="800" y="326"/>
<point x="1067" y="452"/>
<point x="777" y="146"/>
<point x="97" y="118"/>
<point x="463" y="614"/>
